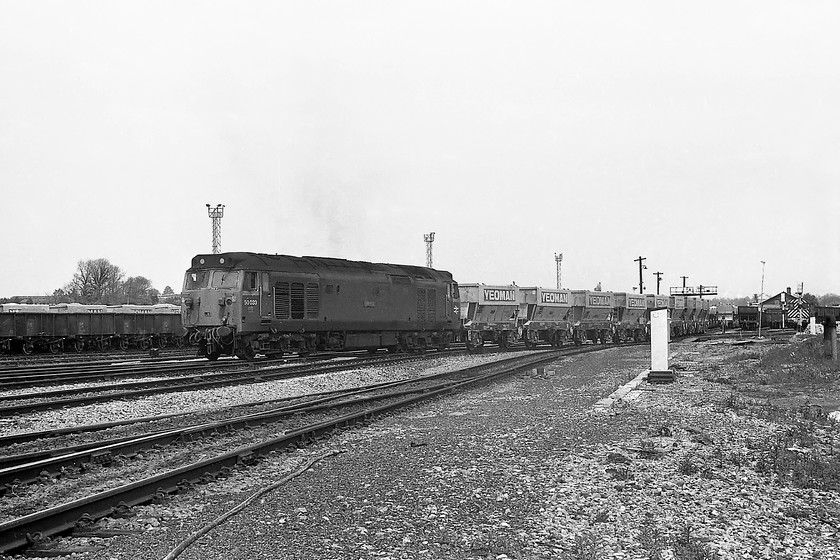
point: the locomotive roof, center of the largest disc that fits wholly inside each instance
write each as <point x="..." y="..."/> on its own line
<point x="264" y="261"/>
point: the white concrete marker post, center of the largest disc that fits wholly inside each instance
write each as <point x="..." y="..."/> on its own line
<point x="659" y="346"/>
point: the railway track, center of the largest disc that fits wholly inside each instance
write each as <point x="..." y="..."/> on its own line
<point x="239" y="373"/>
<point x="221" y="443"/>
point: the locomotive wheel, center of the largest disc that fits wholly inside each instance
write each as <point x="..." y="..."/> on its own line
<point x="245" y="352"/>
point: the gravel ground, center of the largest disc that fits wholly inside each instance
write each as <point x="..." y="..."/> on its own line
<point x="218" y="397"/>
<point x="526" y="468"/>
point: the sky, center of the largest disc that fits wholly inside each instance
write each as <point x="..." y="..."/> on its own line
<point x="702" y="136"/>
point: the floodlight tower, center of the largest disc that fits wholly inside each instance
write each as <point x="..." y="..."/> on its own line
<point x="558" y="258"/>
<point x="429" y="238"/>
<point x="216" y="213"/>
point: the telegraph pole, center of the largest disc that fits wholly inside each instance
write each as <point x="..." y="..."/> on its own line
<point x="658" y="280"/>
<point x="640" y="260"/>
<point x="683" y="277"/>
<point x="429" y="238"/>
<point x="216" y="213"/>
<point x="558" y="258"/>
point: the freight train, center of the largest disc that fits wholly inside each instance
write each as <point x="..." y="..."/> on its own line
<point x="26" y="328"/>
<point x="247" y="303"/>
<point x="505" y="314"/>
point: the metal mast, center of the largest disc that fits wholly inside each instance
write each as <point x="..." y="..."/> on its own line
<point x="429" y="238"/>
<point x="761" y="299"/>
<point x="216" y="213"/>
<point x="558" y="257"/>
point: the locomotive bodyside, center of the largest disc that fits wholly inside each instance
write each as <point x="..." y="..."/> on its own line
<point x="243" y="303"/>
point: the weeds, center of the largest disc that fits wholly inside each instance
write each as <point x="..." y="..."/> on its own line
<point x="683" y="546"/>
<point x="799" y="466"/>
<point x="689" y="465"/>
<point x="688" y="547"/>
<point x="585" y="548"/>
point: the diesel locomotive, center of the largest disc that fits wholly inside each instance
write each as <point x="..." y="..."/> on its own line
<point x="247" y="303"/>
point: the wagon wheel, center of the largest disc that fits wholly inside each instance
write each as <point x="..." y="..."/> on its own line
<point x="213" y="356"/>
<point x="161" y="342"/>
<point x="102" y="345"/>
<point x="503" y="342"/>
<point x="179" y="342"/>
<point x="123" y="344"/>
<point x="28" y="347"/>
<point x="528" y="342"/>
<point x="55" y="347"/>
<point x="145" y="344"/>
<point x="78" y="345"/>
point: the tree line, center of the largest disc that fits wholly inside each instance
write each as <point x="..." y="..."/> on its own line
<point x="98" y="281"/>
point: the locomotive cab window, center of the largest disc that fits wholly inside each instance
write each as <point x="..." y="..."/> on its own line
<point x="225" y="279"/>
<point x="251" y="282"/>
<point x="196" y="280"/>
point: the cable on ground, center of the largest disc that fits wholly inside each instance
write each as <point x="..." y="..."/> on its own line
<point x="215" y="523"/>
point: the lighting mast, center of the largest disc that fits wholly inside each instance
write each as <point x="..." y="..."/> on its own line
<point x="216" y="213"/>
<point x="558" y="257"/>
<point x="429" y="238"/>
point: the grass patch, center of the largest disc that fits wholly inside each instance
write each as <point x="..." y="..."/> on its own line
<point x="804" y="452"/>
<point x="803" y="360"/>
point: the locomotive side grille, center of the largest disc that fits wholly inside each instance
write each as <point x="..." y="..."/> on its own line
<point x="400" y="279"/>
<point x="312" y="302"/>
<point x="421" y="304"/>
<point x="431" y="304"/>
<point x="282" y="298"/>
<point x="297" y="300"/>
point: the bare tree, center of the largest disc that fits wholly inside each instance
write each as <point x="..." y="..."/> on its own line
<point x="139" y="290"/>
<point x="95" y="281"/>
